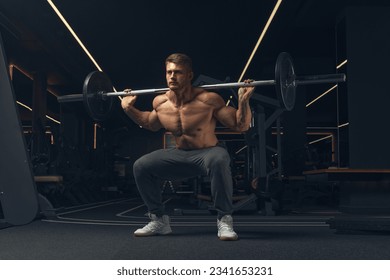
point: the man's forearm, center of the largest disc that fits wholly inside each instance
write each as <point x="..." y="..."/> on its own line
<point x="243" y="115"/>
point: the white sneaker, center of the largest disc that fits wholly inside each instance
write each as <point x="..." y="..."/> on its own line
<point x="157" y="226"/>
<point x="225" y="229"/>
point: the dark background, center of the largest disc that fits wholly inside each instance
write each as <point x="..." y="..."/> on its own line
<point x="131" y="39"/>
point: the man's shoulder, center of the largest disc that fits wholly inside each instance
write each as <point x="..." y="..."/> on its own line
<point x="159" y="99"/>
<point x="203" y="93"/>
<point x="209" y="97"/>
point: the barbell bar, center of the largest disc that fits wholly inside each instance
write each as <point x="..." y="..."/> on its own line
<point x="212" y="86"/>
<point x="97" y="88"/>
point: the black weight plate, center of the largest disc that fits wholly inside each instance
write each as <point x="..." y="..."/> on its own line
<point x="285" y="81"/>
<point x="97" y="106"/>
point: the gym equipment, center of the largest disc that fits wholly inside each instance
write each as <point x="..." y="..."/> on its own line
<point x="98" y="88"/>
<point x="18" y="194"/>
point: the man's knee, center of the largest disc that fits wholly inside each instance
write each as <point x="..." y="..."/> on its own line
<point x="140" y="165"/>
<point x="220" y="159"/>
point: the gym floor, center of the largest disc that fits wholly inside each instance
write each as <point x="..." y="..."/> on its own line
<point x="103" y="231"/>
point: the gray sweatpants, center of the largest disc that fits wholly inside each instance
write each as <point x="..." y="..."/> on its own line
<point x="176" y="164"/>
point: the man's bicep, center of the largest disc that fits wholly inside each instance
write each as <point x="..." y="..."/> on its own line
<point x="226" y="115"/>
<point x="154" y="122"/>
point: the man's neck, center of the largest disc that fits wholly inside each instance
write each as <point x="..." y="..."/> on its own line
<point x="182" y="96"/>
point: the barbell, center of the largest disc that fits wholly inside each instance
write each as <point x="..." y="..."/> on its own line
<point x="98" y="88"/>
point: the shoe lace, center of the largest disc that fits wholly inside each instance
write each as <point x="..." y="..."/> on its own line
<point x="224" y="226"/>
<point x="153" y="225"/>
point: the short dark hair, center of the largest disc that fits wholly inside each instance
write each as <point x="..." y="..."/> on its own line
<point x="180" y="58"/>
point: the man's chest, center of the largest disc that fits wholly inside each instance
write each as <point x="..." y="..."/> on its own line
<point x="186" y="116"/>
